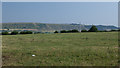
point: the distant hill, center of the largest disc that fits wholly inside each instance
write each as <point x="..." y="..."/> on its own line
<point x="102" y="27"/>
<point x="52" y="27"/>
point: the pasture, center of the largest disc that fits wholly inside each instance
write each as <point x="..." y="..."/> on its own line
<point x="62" y="49"/>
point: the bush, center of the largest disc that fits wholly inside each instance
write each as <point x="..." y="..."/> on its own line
<point x="83" y="30"/>
<point x="14" y="32"/>
<point x="74" y="30"/>
<point x="93" y="29"/>
<point x="29" y="32"/>
<point x="26" y="32"/>
<point x="5" y="33"/>
<point x="56" y="32"/>
<point x="22" y="32"/>
<point x="63" y="31"/>
<point x="69" y="31"/>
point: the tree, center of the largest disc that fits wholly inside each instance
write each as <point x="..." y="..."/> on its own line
<point x="74" y="30"/>
<point x="29" y="32"/>
<point x="22" y="32"/>
<point x="93" y="29"/>
<point x="63" y="31"/>
<point x="14" y="32"/>
<point x="118" y="29"/>
<point x="69" y="31"/>
<point x="26" y="32"/>
<point x="56" y="32"/>
<point x="83" y="30"/>
<point x="5" y="33"/>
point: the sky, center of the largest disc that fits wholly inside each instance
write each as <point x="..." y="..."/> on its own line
<point x="60" y="0"/>
<point x="98" y="13"/>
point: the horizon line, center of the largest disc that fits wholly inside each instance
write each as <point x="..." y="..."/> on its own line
<point x="65" y="23"/>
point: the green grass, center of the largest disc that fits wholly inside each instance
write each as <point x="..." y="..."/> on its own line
<point x="66" y="49"/>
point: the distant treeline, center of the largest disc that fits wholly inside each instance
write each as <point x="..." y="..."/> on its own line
<point x="16" y="32"/>
<point x="92" y="29"/>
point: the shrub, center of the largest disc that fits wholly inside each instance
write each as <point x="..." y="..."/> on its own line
<point x="29" y="32"/>
<point x="5" y="33"/>
<point x="63" y="31"/>
<point x="74" y="30"/>
<point x="14" y="32"/>
<point x="26" y="32"/>
<point x="83" y="30"/>
<point x="22" y="32"/>
<point x="69" y="31"/>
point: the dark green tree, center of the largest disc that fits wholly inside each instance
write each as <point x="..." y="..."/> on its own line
<point x="83" y="30"/>
<point x="69" y="31"/>
<point x="22" y="32"/>
<point x="26" y="32"/>
<point x="118" y="29"/>
<point x="29" y="32"/>
<point x="56" y="32"/>
<point x="93" y="29"/>
<point x="74" y="30"/>
<point x="63" y="31"/>
<point x="14" y="32"/>
<point x="5" y="33"/>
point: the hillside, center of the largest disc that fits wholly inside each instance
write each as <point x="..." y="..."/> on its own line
<point x="51" y="27"/>
<point x="102" y="27"/>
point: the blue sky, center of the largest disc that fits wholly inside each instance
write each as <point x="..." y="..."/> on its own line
<point x="61" y="12"/>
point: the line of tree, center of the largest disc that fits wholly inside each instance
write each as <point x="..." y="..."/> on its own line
<point x="67" y="31"/>
<point x="5" y="33"/>
<point x="92" y="29"/>
<point x="16" y="32"/>
<point x="26" y="32"/>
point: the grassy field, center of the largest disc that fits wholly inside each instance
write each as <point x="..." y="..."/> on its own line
<point x="67" y="49"/>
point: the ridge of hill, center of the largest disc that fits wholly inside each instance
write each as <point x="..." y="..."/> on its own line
<point x="52" y="27"/>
